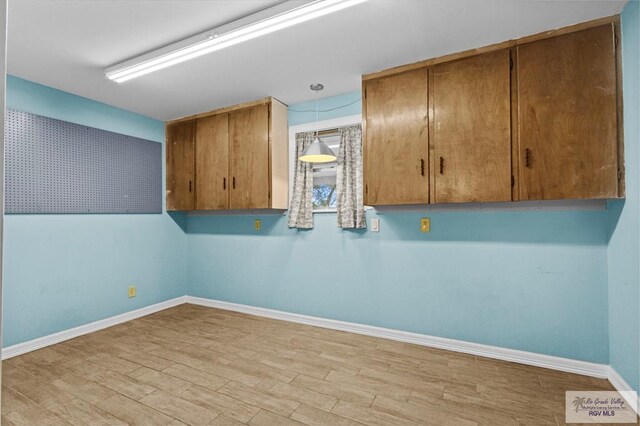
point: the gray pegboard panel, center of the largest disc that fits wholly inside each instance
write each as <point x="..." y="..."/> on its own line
<point x="53" y="166"/>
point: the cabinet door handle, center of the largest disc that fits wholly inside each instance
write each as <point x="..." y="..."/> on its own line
<point x="527" y="158"/>
<point x="189" y="186"/>
<point x="422" y="167"/>
<point x="233" y="182"/>
<point x="441" y="165"/>
<point x="224" y="183"/>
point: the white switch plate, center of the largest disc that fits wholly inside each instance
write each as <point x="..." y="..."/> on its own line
<point x="375" y="225"/>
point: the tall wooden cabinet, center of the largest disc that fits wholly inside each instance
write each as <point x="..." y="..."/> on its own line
<point x="239" y="161"/>
<point x="530" y="119"/>
<point x="212" y="162"/>
<point x="249" y="158"/>
<point x="180" y="166"/>
<point x="472" y="129"/>
<point x="397" y="137"/>
<point x="567" y="116"/>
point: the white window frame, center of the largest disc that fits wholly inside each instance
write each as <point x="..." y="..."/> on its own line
<point x="333" y="123"/>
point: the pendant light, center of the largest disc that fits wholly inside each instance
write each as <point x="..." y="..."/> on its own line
<point x="317" y="151"/>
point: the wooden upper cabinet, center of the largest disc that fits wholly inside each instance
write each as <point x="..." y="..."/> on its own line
<point x="396" y="139"/>
<point x="249" y="158"/>
<point x="471" y="136"/>
<point x="240" y="155"/>
<point x="212" y="162"/>
<point x="180" y="165"/>
<point x="567" y="116"/>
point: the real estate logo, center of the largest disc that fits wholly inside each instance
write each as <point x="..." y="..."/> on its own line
<point x="599" y="407"/>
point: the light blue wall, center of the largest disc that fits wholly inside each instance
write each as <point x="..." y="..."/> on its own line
<point x="624" y="246"/>
<point x="534" y="281"/>
<point x="62" y="271"/>
<point x="31" y="97"/>
<point x="334" y="107"/>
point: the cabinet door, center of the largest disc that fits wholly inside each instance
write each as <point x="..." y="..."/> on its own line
<point x="180" y="166"/>
<point x="472" y="129"/>
<point x="249" y="158"/>
<point x="397" y="139"/>
<point x="567" y="116"/>
<point x="212" y="163"/>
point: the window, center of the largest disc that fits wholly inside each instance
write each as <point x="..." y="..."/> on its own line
<point x="324" y="178"/>
<point x="324" y="195"/>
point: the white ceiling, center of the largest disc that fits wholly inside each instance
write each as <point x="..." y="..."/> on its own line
<point x="66" y="44"/>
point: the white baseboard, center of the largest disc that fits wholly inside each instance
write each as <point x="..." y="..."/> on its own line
<point x="512" y="355"/>
<point x="625" y="389"/>
<point x="71" y="333"/>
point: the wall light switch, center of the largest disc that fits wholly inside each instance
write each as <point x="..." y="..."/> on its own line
<point x="425" y="224"/>
<point x="375" y="225"/>
<point x="257" y="224"/>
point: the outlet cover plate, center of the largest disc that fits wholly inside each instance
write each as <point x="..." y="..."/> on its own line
<point x="425" y="224"/>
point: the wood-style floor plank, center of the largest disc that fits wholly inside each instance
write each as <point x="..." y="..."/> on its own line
<point x="179" y="408"/>
<point x="265" y="418"/>
<point x="192" y="365"/>
<point x="135" y="413"/>
<point x="222" y="404"/>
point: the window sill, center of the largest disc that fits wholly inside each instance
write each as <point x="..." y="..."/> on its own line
<point x="366" y="208"/>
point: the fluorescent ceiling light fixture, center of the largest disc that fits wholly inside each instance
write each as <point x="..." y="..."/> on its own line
<point x="283" y="15"/>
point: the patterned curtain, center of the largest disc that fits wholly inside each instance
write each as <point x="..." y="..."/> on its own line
<point x="301" y="208"/>
<point x="350" y="198"/>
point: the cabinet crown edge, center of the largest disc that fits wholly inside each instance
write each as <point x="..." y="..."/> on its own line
<point x="425" y="63"/>
<point x="248" y="104"/>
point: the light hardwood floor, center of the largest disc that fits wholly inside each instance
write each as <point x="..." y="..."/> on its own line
<point x="202" y="366"/>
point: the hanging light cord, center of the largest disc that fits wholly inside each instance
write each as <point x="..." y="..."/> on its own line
<point x="317" y="125"/>
<point x="325" y="110"/>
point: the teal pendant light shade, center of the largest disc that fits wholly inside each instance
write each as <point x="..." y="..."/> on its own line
<point x="317" y="151"/>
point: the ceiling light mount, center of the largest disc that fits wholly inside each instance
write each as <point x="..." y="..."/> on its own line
<point x="278" y="17"/>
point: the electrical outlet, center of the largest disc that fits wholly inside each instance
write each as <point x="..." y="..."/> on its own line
<point x="425" y="224"/>
<point x="257" y="224"/>
<point x="375" y="225"/>
<point x="132" y="291"/>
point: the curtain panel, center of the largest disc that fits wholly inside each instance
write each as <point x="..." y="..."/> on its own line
<point x="349" y="181"/>
<point x="301" y="207"/>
